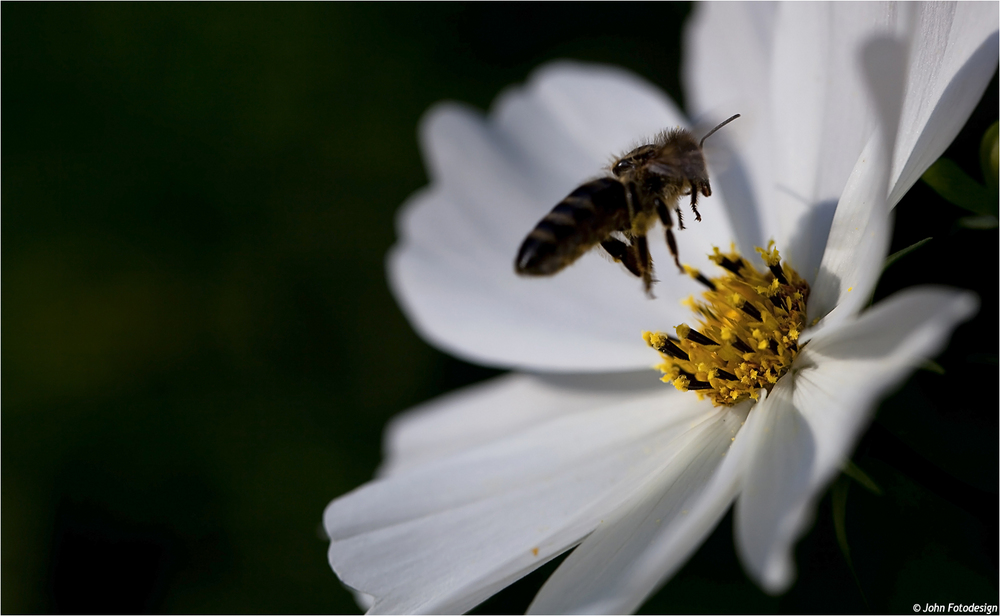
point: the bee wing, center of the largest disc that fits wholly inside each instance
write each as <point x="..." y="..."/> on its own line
<point x="603" y="252"/>
<point x="658" y="167"/>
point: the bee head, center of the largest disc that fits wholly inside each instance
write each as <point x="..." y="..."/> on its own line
<point x="622" y="166"/>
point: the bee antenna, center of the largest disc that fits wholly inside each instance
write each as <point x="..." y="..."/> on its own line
<point x="712" y="132"/>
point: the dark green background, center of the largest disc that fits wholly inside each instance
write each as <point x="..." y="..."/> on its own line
<point x="200" y="348"/>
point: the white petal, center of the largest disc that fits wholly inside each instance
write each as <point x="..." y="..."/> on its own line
<point x="857" y="246"/>
<point x="364" y="600"/>
<point x="725" y="70"/>
<point x="952" y="59"/>
<point x="859" y="236"/>
<point x="771" y="511"/>
<point x="446" y="534"/>
<point x="641" y="544"/>
<point x="500" y="407"/>
<point x="807" y="427"/>
<point x="826" y="116"/>
<point x="792" y="68"/>
<point x="806" y="115"/>
<point x="601" y="110"/>
<point x="453" y="267"/>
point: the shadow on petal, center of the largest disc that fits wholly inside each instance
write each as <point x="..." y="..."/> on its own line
<point x="809" y="240"/>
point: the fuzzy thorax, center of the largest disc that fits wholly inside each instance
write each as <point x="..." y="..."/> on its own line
<point x="747" y="337"/>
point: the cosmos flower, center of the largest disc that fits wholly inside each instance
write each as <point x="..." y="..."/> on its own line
<point x="582" y="446"/>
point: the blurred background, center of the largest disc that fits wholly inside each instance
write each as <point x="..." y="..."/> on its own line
<point x="200" y="349"/>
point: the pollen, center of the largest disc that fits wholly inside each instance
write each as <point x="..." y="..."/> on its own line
<point x="748" y="325"/>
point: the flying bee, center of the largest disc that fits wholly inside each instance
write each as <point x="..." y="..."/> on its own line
<point x="617" y="211"/>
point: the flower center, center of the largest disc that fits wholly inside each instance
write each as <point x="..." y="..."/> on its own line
<point x="749" y="324"/>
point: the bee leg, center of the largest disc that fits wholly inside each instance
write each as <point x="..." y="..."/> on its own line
<point x="641" y="248"/>
<point x="694" y="203"/>
<point x="622" y="253"/>
<point x="697" y="187"/>
<point x="664" y="213"/>
<point x="635" y="258"/>
<point x="680" y="218"/>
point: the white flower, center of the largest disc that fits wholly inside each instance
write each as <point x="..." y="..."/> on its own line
<point x="486" y="484"/>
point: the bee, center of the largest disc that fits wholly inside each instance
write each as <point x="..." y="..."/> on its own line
<point x="617" y="211"/>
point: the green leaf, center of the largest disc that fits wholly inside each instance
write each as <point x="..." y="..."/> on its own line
<point x="988" y="157"/>
<point x="978" y="222"/>
<point x="839" y="500"/>
<point x="990" y="359"/>
<point x="899" y="254"/>
<point x="955" y="185"/>
<point x="855" y="473"/>
<point x="932" y="366"/>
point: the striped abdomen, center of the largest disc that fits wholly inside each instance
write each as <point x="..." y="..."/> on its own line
<point x="587" y="216"/>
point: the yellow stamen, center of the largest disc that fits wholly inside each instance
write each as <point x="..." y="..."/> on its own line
<point x="747" y="330"/>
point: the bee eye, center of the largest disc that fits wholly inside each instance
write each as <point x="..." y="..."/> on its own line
<point x="621" y="167"/>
